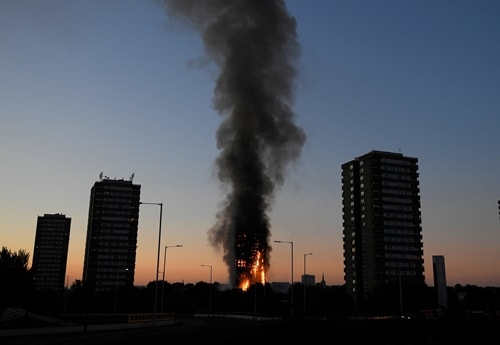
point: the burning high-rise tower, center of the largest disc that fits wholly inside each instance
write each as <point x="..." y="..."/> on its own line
<point x="254" y="44"/>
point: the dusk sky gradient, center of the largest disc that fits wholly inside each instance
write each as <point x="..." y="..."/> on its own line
<point x="114" y="86"/>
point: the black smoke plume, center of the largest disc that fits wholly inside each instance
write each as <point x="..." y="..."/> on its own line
<point x="254" y="44"/>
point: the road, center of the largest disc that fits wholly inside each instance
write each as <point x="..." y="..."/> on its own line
<point x="221" y="331"/>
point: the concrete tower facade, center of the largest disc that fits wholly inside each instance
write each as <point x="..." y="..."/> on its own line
<point x="382" y="233"/>
<point x="50" y="254"/>
<point x="110" y="248"/>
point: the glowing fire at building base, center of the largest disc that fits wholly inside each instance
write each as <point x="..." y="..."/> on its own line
<point x="255" y="274"/>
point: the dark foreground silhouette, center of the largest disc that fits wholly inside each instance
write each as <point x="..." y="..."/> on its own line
<point x="225" y="330"/>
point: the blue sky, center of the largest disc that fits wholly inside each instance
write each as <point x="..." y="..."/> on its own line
<point x="114" y="87"/>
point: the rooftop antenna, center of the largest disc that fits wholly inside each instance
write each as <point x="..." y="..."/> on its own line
<point x="100" y="176"/>
<point x="132" y="177"/>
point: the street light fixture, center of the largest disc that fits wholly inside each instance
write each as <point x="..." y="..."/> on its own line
<point x="304" y="282"/>
<point x="163" y="277"/>
<point x="157" y="256"/>
<point x="209" y="290"/>
<point x="291" y="298"/>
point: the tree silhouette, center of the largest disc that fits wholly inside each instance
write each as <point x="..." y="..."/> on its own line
<point x="16" y="280"/>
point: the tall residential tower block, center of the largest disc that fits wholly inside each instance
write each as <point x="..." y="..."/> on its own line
<point x="110" y="248"/>
<point x="382" y="232"/>
<point x="50" y="254"/>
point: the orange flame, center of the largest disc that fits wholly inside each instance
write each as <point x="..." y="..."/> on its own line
<point x="258" y="273"/>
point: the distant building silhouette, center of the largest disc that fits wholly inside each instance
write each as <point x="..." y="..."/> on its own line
<point x="439" y="272"/>
<point x="281" y="287"/>
<point x="308" y="279"/>
<point x="382" y="231"/>
<point x="110" y="248"/>
<point x="50" y="254"/>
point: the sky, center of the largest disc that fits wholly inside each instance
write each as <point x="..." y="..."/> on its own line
<point x="114" y="86"/>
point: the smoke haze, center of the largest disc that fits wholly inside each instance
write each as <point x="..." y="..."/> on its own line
<point x="254" y="44"/>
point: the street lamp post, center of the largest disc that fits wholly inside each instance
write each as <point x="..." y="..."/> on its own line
<point x="157" y="256"/>
<point x="163" y="277"/>
<point x="304" y="282"/>
<point x="209" y="290"/>
<point x="291" y="298"/>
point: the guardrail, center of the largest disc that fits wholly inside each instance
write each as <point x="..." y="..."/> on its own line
<point x="147" y="317"/>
